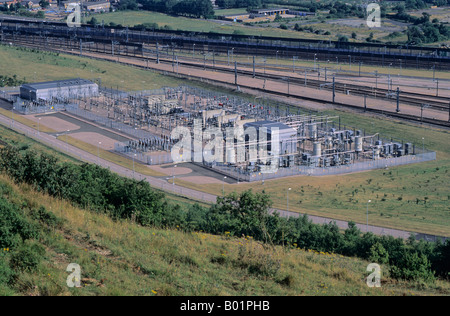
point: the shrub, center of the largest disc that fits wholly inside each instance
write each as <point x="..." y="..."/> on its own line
<point x="6" y="274"/>
<point x="13" y="226"/>
<point x="378" y="254"/>
<point x="47" y="218"/>
<point x="257" y="260"/>
<point x="28" y="257"/>
<point x="412" y="267"/>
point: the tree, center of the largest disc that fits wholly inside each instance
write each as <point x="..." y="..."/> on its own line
<point x="128" y="5"/>
<point x="93" y="21"/>
<point x="44" y="4"/>
<point x="412" y="267"/>
<point x="243" y="214"/>
<point x="378" y="254"/>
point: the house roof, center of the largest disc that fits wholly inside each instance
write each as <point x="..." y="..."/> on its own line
<point x="57" y="84"/>
<point x="270" y="125"/>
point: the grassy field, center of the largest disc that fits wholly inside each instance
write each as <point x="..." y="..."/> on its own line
<point x="328" y="29"/>
<point x="46" y="66"/>
<point x="132" y="18"/>
<point x="122" y="258"/>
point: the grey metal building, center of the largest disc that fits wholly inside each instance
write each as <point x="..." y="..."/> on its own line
<point x="58" y="90"/>
<point x="286" y="149"/>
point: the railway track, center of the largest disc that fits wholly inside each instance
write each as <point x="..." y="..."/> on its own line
<point x="380" y="54"/>
<point x="415" y="99"/>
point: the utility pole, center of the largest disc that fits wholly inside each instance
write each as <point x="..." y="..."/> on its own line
<point x="157" y="52"/>
<point x="334" y="88"/>
<point x="367" y="223"/>
<point x="254" y="69"/>
<point x="437" y="87"/>
<point x="287" y="199"/>
<point x="289" y="88"/>
<point x="235" y="73"/>
<point x="421" y="111"/>
<point x="376" y="79"/>
<point x="398" y="99"/>
<point x="449" y="111"/>
<point x="365" y="102"/>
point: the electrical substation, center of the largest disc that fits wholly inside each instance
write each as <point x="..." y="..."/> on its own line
<point x="245" y="140"/>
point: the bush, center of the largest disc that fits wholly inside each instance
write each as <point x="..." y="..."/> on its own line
<point x="257" y="260"/>
<point x="28" y="257"/>
<point x="412" y="267"/>
<point x="13" y="226"/>
<point x="378" y="254"/>
<point x="6" y="274"/>
<point x="47" y="218"/>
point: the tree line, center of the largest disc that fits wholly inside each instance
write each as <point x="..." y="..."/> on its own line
<point x="7" y="81"/>
<point x="98" y="189"/>
<point x="189" y="8"/>
<point x="423" y="29"/>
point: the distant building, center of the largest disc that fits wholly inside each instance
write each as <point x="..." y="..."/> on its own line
<point x="93" y="6"/>
<point x="260" y="12"/>
<point x="97" y="6"/>
<point x="264" y="15"/>
<point x="62" y="89"/>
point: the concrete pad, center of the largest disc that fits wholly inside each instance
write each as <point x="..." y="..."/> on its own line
<point x="94" y="139"/>
<point x="54" y="123"/>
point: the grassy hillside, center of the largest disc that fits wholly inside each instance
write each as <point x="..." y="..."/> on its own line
<point x="122" y="258"/>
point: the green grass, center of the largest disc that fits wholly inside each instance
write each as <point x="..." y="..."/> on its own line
<point x="121" y="258"/>
<point x="45" y="66"/>
<point x="132" y="18"/>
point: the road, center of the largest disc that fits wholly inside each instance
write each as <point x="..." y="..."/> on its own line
<point x="53" y="142"/>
